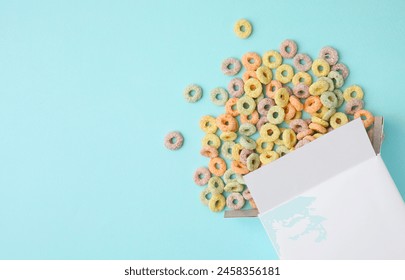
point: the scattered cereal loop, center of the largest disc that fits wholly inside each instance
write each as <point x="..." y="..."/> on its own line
<point x="192" y="93"/>
<point x="174" y="140"/>
<point x="231" y="66"/>
<point x="242" y="28"/>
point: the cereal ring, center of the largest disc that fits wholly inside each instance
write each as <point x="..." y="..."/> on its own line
<point x="337" y="78"/>
<point x="302" y="77"/>
<point x="174" y="140"/>
<point x="269" y="132"/>
<point x="242" y="28"/>
<point x="298" y="125"/>
<point x="282" y="97"/>
<point x="253" y="88"/>
<point x="329" y="81"/>
<point x="201" y="176"/>
<point x="284" y="73"/>
<point x="231" y="108"/>
<point x="317" y="127"/>
<point x="233" y="187"/>
<point x="263" y="144"/>
<point x="246" y="194"/>
<point x="231" y="176"/>
<point x="235" y="87"/>
<point x="369" y="119"/>
<point x="231" y="66"/>
<point x="353" y="106"/>
<point x="247" y="129"/>
<point x="320" y="67"/>
<point x="216" y="184"/>
<point x="279" y="140"/>
<point x="253" y="162"/>
<point x="226" y="123"/>
<point x="263" y="120"/>
<point x="217" y="202"/>
<point x="302" y="62"/>
<point x="251" y="61"/>
<point x="312" y="104"/>
<point x="246" y="105"/>
<point x="217" y="166"/>
<point x="320" y="112"/>
<point x="329" y="100"/>
<point x="317" y="135"/>
<point x="272" y="59"/>
<point x="283" y="150"/>
<point x="192" y="93"/>
<point x="339" y="96"/>
<point x="341" y="69"/>
<point x="236" y="150"/>
<point x="219" y="96"/>
<point x="289" y="112"/>
<point x="328" y="114"/>
<point x="338" y="119"/>
<point x="209" y="152"/>
<point x="289" y="138"/>
<point x="276" y="115"/>
<point x="248" y="75"/>
<point x="244" y="155"/>
<point x="329" y="54"/>
<point x="264" y="74"/>
<point x="247" y="143"/>
<point x="288" y="49"/>
<point x="226" y="149"/>
<point x="304" y="133"/>
<point x="259" y="98"/>
<point x="309" y="137"/>
<point x="356" y="90"/>
<point x="319" y="121"/>
<point x="211" y="139"/>
<point x="318" y="87"/>
<point x="296" y="103"/>
<point x="253" y="118"/>
<point x="301" y="91"/>
<point x="230" y="201"/>
<point x="239" y="167"/>
<point x="203" y="195"/>
<point x="228" y="136"/>
<point x="302" y="143"/>
<point x="268" y="156"/>
<point x="264" y="106"/>
<point x="272" y="87"/>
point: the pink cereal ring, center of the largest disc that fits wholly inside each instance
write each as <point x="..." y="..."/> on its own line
<point x="246" y="194"/>
<point x="342" y="69"/>
<point x="235" y="87"/>
<point x="231" y="66"/>
<point x="302" y="62"/>
<point x="209" y="152"/>
<point x="288" y="49"/>
<point x="304" y="133"/>
<point x="272" y="87"/>
<point x="244" y="154"/>
<point x="201" y="176"/>
<point x="298" y="125"/>
<point x="240" y="201"/>
<point x="301" y="90"/>
<point x="174" y="140"/>
<point x="329" y="54"/>
<point x="264" y="106"/>
<point x="354" y="105"/>
<point x="301" y="143"/>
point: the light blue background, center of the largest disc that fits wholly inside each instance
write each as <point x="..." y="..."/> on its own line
<point x="88" y="89"/>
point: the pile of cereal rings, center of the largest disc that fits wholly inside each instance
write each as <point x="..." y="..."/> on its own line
<point x="273" y="109"/>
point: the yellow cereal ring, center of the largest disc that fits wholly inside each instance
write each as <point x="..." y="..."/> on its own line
<point x="246" y="105"/>
<point x="263" y="144"/>
<point x="338" y="119"/>
<point x="217" y="202"/>
<point x="284" y="73"/>
<point x="279" y="140"/>
<point x="268" y="156"/>
<point x="269" y="132"/>
<point x="242" y="28"/>
<point x="317" y="135"/>
<point x="228" y="136"/>
<point x="281" y="97"/>
<point x="318" y="87"/>
<point x="236" y="149"/>
<point x="208" y="124"/>
<point x="211" y="139"/>
<point x="289" y="138"/>
<point x="348" y="93"/>
<point x="253" y="87"/>
<point x="264" y="74"/>
<point x="317" y="127"/>
<point x="320" y="67"/>
<point x="320" y="112"/>
<point x="302" y="77"/>
<point x="320" y="121"/>
<point x="267" y="59"/>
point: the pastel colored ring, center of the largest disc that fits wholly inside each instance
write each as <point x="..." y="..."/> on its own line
<point x="231" y="107"/>
<point x="304" y="133"/>
<point x="329" y="81"/>
<point x="338" y="119"/>
<point x="230" y="201"/>
<point x="235" y="87"/>
<point x="302" y="77"/>
<point x="262" y="121"/>
<point x="342" y="69"/>
<point x="236" y="150"/>
<point x="246" y="105"/>
<point x="226" y="149"/>
<point x="369" y="118"/>
<point x="231" y="176"/>
<point x="208" y="124"/>
<point x="301" y="91"/>
<point x="337" y="78"/>
<point x="329" y="54"/>
<point x="234" y="187"/>
<point x="272" y="88"/>
<point x="282" y="150"/>
<point x="253" y="118"/>
<point x="192" y="93"/>
<point x="339" y="96"/>
<point x="247" y="143"/>
<point x="267" y="59"/>
<point x="228" y="136"/>
<point x="253" y="87"/>
<point x="289" y="112"/>
<point x="296" y="103"/>
<point x="217" y="202"/>
<point x="302" y="143"/>
<point x="264" y="74"/>
<point x="270" y="132"/>
<point x="320" y="67"/>
<point x="226" y="123"/>
<point x="231" y="66"/>
<point x="201" y="176"/>
<point x="260" y="142"/>
<point x="239" y="168"/>
<point x="203" y="195"/>
<point x="246" y="194"/>
<point x="317" y="128"/>
<point x="219" y="96"/>
<point x="247" y="129"/>
<point x="251" y="61"/>
<point x="282" y="97"/>
<point x="312" y="104"/>
<point x="208" y="151"/>
<point x="216" y="184"/>
<point x="217" y="166"/>
<point x="284" y="73"/>
<point x="211" y="139"/>
<point x="318" y="87"/>
<point x="264" y="106"/>
<point x="242" y="28"/>
<point x="302" y="62"/>
<point x="276" y="115"/>
<point x="328" y="114"/>
<point x="248" y="75"/>
<point x="329" y="99"/>
<point x="354" y="105"/>
<point x="244" y="154"/>
<point x="298" y="125"/>
<point x="253" y="162"/>
<point x="288" y="49"/>
<point x="319" y="121"/>
<point x="268" y="156"/>
<point x="348" y="93"/>
<point x="174" y="140"/>
<point x="289" y="138"/>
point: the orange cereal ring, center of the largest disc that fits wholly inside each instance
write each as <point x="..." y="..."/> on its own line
<point x="251" y="61"/>
<point x="366" y="114"/>
<point x="289" y="112"/>
<point x="208" y="151"/>
<point x="231" y="108"/>
<point x="272" y="87"/>
<point x="217" y="166"/>
<point x="253" y="118"/>
<point x="312" y="104"/>
<point x="239" y="168"/>
<point x="296" y="103"/>
<point x="248" y="75"/>
<point x="310" y="138"/>
<point x="317" y="127"/>
<point x="226" y="122"/>
<point x="304" y="133"/>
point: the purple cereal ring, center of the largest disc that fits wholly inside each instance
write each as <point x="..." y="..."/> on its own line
<point x="353" y="105"/>
<point x="235" y="87"/>
<point x="302" y="62"/>
<point x="329" y="54"/>
<point x="201" y="176"/>
<point x="240" y="201"/>
<point x="264" y="106"/>
<point x="288" y="49"/>
<point x="174" y="140"/>
<point x="262" y="121"/>
<point x="298" y="125"/>
<point x="301" y="90"/>
<point x="244" y="154"/>
<point x="342" y="69"/>
<point x="231" y="66"/>
<point x="246" y="194"/>
<point x="301" y="143"/>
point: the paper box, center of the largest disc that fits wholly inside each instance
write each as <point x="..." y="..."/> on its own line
<point x="331" y="199"/>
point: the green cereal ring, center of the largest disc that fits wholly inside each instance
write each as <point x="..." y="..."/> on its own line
<point x="318" y="87"/>
<point x="282" y="97"/>
<point x="217" y="202"/>
<point x="337" y="78"/>
<point x="247" y="143"/>
<point x="338" y="119"/>
<point x="219" y="96"/>
<point x="264" y="74"/>
<point x="216" y="185"/>
<point x="247" y="129"/>
<point x="192" y="93"/>
<point x="269" y="132"/>
<point x="203" y="195"/>
<point x="232" y="176"/>
<point x="246" y="105"/>
<point x="282" y="150"/>
<point x="329" y="114"/>
<point x="329" y="81"/>
<point x="253" y="162"/>
<point x="339" y="95"/>
<point x="348" y="93"/>
<point x="329" y="99"/>
<point x="226" y="149"/>
<point x="211" y="139"/>
<point x="233" y="187"/>
<point x="276" y="115"/>
<point x="320" y="67"/>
